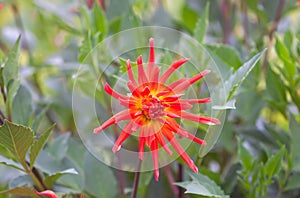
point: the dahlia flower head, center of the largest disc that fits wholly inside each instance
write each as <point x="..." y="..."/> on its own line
<point x="153" y="107"/>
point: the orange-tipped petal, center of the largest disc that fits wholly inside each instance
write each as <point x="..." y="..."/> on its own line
<point x="200" y="119"/>
<point x="46" y="193"/>
<point x="123" y="115"/>
<point x="142" y="78"/>
<point x="164" y="77"/>
<point x="113" y="93"/>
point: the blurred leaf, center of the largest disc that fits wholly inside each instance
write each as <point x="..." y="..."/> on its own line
<point x="38" y="145"/>
<point x="11" y="163"/>
<point x="22" y="106"/>
<point x="40" y="114"/>
<point x="24" y="191"/>
<point x="99" y="23"/>
<point x="295" y="139"/>
<point x="201" y="25"/>
<point x="12" y="88"/>
<point x="17" y="139"/>
<point x="11" y="67"/>
<point x="99" y="178"/>
<point x="202" y="185"/>
<point x="75" y="153"/>
<point x="22" y="180"/>
<point x="189" y="18"/>
<point x="293" y="182"/>
<point x="245" y="157"/>
<point x="63" y="25"/>
<point x="288" y="39"/>
<point x="58" y="148"/>
<point x="51" y="179"/>
<point x="236" y="79"/>
<point x="85" y="48"/>
<point x="227" y="54"/>
<point x="273" y="165"/>
<point x="284" y="55"/>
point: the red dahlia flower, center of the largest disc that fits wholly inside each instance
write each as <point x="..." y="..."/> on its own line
<point x="152" y="107"/>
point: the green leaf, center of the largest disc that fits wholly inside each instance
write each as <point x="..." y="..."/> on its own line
<point x="293" y="182"/>
<point x="236" y="79"/>
<point x="273" y="164"/>
<point x="99" y="178"/>
<point x="38" y="145"/>
<point x="284" y="55"/>
<point x="202" y="185"/>
<point x="85" y="48"/>
<point x="201" y="25"/>
<point x="12" y="88"/>
<point x="275" y="87"/>
<point x="17" y="139"/>
<point x="24" y="191"/>
<point x="99" y="23"/>
<point x="51" y="179"/>
<point x="11" y="68"/>
<point x="22" y="180"/>
<point x="226" y="54"/>
<point x="58" y="148"/>
<point x="245" y="156"/>
<point x="295" y="139"/>
<point x="11" y="163"/>
<point x="22" y="106"/>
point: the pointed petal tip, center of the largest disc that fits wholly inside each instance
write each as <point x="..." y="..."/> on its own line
<point x="116" y="148"/>
<point x="204" y="143"/>
<point x="156" y="174"/>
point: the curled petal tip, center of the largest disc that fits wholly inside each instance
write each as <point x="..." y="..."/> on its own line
<point x="156" y="174"/>
<point x="97" y="130"/>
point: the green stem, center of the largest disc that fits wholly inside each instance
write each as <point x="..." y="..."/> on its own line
<point x="136" y="179"/>
<point x="35" y="180"/>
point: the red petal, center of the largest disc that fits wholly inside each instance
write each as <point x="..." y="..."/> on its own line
<point x="163" y="143"/>
<point x="46" y="193"/>
<point x="129" y="72"/>
<point x="201" y="119"/>
<point x="181" y="151"/>
<point x="179" y="106"/>
<point x="123" y="136"/>
<point x="196" y="101"/>
<point x="123" y="115"/>
<point x="178" y="82"/>
<point x="164" y="77"/>
<point x="150" y="66"/>
<point x="113" y="93"/>
<point x="154" y="151"/>
<point x="142" y="78"/>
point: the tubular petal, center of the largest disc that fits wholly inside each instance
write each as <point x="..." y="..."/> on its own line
<point x="178" y="82"/>
<point x="164" y="77"/>
<point x="130" y="73"/>
<point x="142" y="78"/>
<point x="199" y="76"/>
<point x="150" y="65"/>
<point x="113" y="93"/>
<point x="122" y="115"/>
<point x="171" y="138"/>
<point x="141" y="147"/>
<point x="154" y="151"/>
<point x="162" y="142"/>
<point x="123" y="136"/>
<point x="46" y="193"/>
<point x="179" y="106"/>
<point x="201" y="119"/>
<point x="196" y="101"/>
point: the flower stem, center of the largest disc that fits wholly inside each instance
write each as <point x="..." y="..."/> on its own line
<point x="180" y="179"/>
<point x="171" y="180"/>
<point x="136" y="179"/>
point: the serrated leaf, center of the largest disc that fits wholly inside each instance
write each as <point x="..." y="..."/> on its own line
<point x="236" y="79"/>
<point x="17" y="139"/>
<point x="11" y="67"/>
<point x="99" y="23"/>
<point x="99" y="178"/>
<point x="12" y="88"/>
<point x="273" y="164"/>
<point x="85" y="48"/>
<point x="22" y="106"/>
<point x="11" y="163"/>
<point x="245" y="156"/>
<point x="38" y="145"/>
<point x="24" y="191"/>
<point x="201" y="25"/>
<point x="202" y="185"/>
<point x="51" y="179"/>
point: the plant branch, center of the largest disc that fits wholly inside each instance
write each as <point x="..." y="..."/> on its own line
<point x="180" y="179"/>
<point x="136" y="179"/>
<point x="171" y="180"/>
